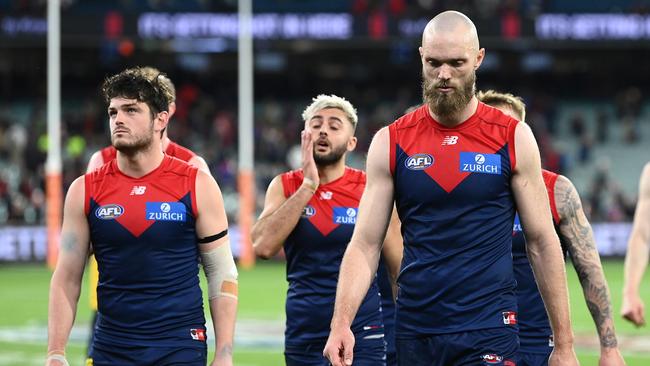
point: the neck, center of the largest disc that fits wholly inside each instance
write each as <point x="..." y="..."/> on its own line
<point x="165" y="142"/>
<point x="142" y="162"/>
<point x="328" y="173"/>
<point x="457" y="118"/>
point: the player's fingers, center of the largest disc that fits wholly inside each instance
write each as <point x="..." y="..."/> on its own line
<point x="348" y="347"/>
<point x="635" y="316"/>
<point x="332" y="355"/>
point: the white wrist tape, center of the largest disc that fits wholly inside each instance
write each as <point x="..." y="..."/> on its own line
<point x="57" y="357"/>
<point x="220" y="270"/>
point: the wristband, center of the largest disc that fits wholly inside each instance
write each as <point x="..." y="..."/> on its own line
<point x="310" y="184"/>
<point x="57" y="357"/>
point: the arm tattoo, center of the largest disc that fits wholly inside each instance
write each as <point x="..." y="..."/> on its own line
<point x="575" y="232"/>
<point x="226" y="350"/>
<point x="68" y="242"/>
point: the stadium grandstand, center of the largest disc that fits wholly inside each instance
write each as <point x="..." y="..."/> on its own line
<point x="579" y="65"/>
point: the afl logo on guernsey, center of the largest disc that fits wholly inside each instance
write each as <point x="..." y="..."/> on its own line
<point x="419" y="161"/>
<point x="109" y="212"/>
<point x="308" y="211"/>
<point x="166" y="211"/>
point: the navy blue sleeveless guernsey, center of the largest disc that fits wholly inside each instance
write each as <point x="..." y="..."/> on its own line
<point x="453" y="196"/>
<point x="143" y="234"/>
<point x="534" y="327"/>
<point x="314" y="251"/>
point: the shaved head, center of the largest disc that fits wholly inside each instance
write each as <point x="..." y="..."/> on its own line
<point x="450" y="56"/>
<point x="452" y="23"/>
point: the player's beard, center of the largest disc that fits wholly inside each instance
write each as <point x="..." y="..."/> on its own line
<point x="448" y="104"/>
<point x="139" y="143"/>
<point x="330" y="158"/>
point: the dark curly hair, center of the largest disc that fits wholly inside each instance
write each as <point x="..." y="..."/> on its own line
<point x="139" y="84"/>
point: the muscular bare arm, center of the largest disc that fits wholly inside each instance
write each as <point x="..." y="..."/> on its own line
<point x="636" y="259"/>
<point x="362" y="254"/>
<point x="542" y="243"/>
<point x="576" y="233"/>
<point x="211" y="220"/>
<point x="280" y="214"/>
<point x="66" y="279"/>
<point x="393" y="250"/>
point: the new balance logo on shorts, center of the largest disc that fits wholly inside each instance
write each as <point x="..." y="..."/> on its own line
<point x="197" y="334"/>
<point x="509" y="317"/>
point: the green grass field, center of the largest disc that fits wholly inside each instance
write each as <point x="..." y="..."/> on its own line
<point x="23" y="318"/>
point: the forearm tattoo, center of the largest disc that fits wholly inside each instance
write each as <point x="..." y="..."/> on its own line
<point x="575" y="233"/>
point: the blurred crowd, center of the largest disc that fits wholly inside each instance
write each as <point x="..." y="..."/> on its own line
<point x="210" y="129"/>
<point x="391" y="8"/>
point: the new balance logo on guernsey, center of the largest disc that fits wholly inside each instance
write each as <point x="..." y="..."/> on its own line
<point x="138" y="190"/>
<point x="449" y="140"/>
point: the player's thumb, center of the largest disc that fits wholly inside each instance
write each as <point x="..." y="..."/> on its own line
<point x="347" y="352"/>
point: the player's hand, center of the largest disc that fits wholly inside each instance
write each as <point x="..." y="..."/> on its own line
<point x="563" y="356"/>
<point x="222" y="361"/>
<point x="611" y="356"/>
<point x="339" y="347"/>
<point x="309" y="169"/>
<point x="633" y="310"/>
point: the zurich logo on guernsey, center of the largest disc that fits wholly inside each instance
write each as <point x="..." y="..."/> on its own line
<point x="345" y="215"/>
<point x="472" y="162"/>
<point x="166" y="211"/>
<point x="419" y="161"/>
<point x="109" y="212"/>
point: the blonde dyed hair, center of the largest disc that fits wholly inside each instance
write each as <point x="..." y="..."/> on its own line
<point x="495" y="99"/>
<point x="323" y="101"/>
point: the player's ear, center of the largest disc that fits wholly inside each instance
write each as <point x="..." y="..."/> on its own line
<point x="480" y="55"/>
<point x="352" y="143"/>
<point x="161" y="121"/>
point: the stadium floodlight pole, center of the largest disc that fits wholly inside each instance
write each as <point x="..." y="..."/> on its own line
<point x="53" y="186"/>
<point x="246" y="176"/>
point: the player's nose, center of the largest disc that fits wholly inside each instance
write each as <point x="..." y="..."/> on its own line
<point x="444" y="72"/>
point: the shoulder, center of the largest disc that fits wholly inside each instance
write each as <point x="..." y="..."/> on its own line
<point x="96" y="160"/>
<point x="550" y="178"/>
<point x="179" y="167"/>
<point x="355" y="175"/>
<point x="645" y="174"/>
<point x="567" y="198"/>
<point x="76" y="195"/>
<point x="292" y="175"/>
<point x="491" y="115"/>
<point x="179" y="152"/>
<point x="410" y="119"/>
<point x="108" y="153"/>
